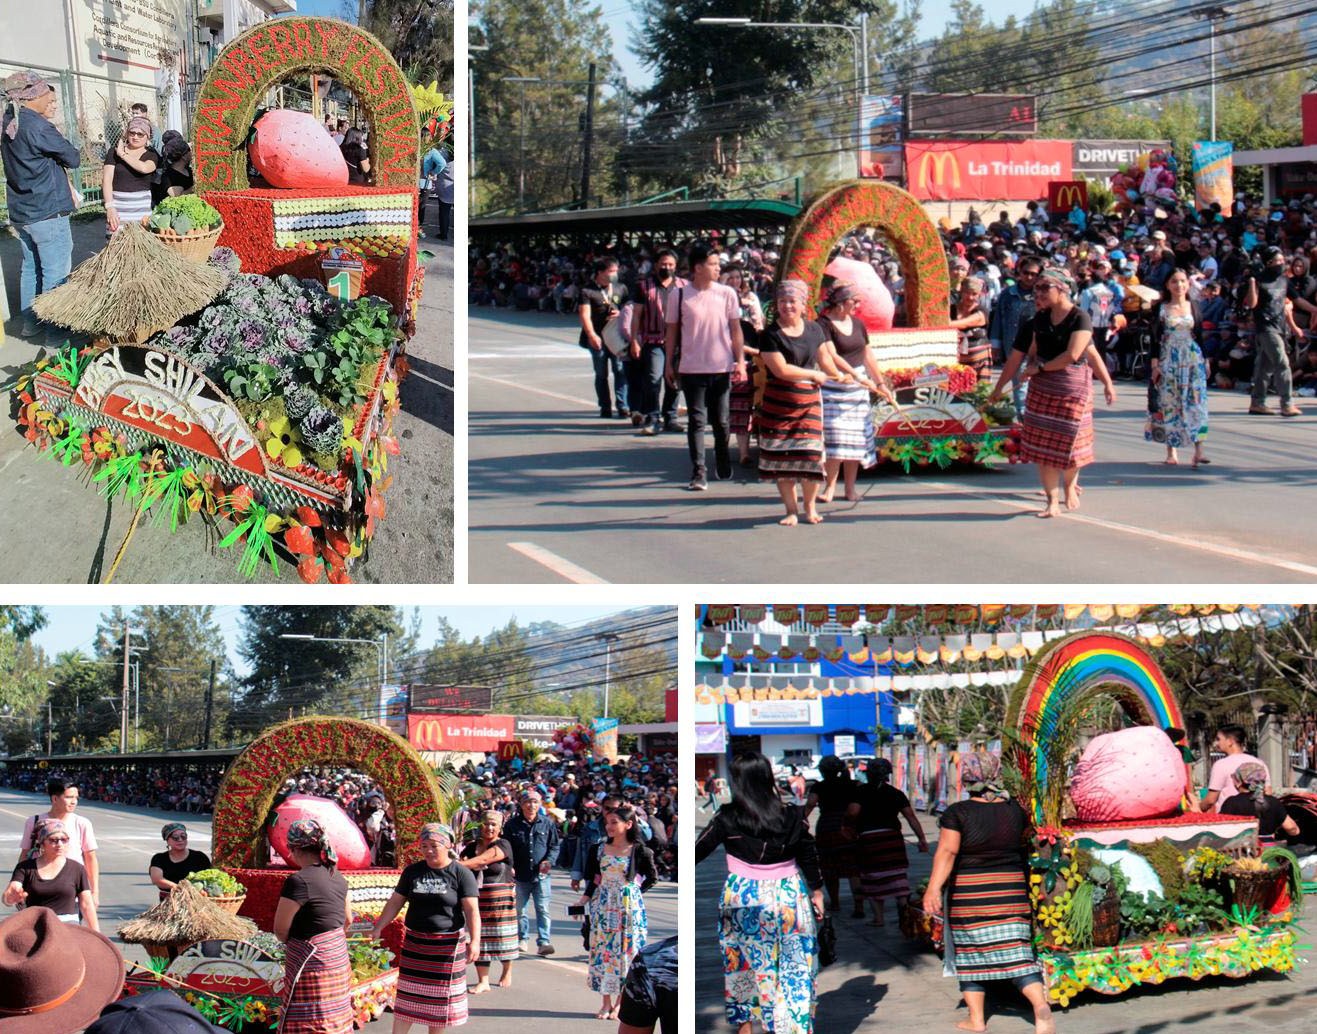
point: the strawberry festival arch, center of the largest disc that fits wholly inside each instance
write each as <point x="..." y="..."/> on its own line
<point x="248" y="789"/>
<point x="270" y="52"/>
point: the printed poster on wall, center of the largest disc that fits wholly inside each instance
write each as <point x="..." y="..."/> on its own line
<point x="1214" y="174"/>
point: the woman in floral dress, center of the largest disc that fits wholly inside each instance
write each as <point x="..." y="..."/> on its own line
<point x="1177" y="394"/>
<point x="617" y="874"/>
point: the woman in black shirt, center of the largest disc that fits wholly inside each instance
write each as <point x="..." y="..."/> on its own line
<point x="790" y="418"/>
<point x="169" y="867"/>
<point x="837" y="798"/>
<point x="882" y="860"/>
<point x="175" y="176"/>
<point x="442" y="913"/>
<point x="490" y="856"/>
<point x="1058" y="417"/>
<point x="1252" y="799"/>
<point x="355" y="154"/>
<point x="770" y="904"/>
<point x="52" y="879"/>
<point x="126" y="176"/>
<point x="312" y="920"/>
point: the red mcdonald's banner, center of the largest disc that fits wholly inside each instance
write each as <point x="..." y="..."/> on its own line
<point x="470" y="732"/>
<point x="955" y="170"/>
<point x="1063" y="196"/>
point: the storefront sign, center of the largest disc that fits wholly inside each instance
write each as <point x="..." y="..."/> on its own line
<point x="1214" y="173"/>
<point x="229" y="968"/>
<point x="447" y="699"/>
<point x="538" y="728"/>
<point x="1063" y="196"/>
<point x="842" y="745"/>
<point x="778" y="712"/>
<point x="971" y="114"/>
<point x="1294" y="179"/>
<point x="509" y="749"/>
<point x="1102" y="158"/>
<point x="459" y="732"/>
<point x="159" y="393"/>
<point x="951" y="170"/>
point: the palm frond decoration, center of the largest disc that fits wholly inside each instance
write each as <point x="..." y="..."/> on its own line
<point x="122" y="476"/>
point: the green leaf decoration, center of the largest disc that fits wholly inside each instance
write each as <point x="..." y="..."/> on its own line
<point x="122" y="476"/>
<point x="69" y="447"/>
<point x="166" y="487"/>
<point x="260" y="543"/>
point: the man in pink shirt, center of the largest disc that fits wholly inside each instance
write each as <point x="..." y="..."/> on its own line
<point x="703" y="347"/>
<point x="1230" y="740"/>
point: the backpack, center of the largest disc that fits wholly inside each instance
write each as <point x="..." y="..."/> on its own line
<point x="33" y="849"/>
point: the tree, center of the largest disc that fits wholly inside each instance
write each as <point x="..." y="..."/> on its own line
<point x="82" y="695"/>
<point x="299" y="676"/>
<point x="418" y="33"/>
<point x="22" y="678"/>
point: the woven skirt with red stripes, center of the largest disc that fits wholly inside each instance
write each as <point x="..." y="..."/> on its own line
<point x="790" y="429"/>
<point x="498" y="922"/>
<point x="1058" y="419"/>
<point x="742" y="405"/>
<point x="432" y="978"/>
<point x="883" y="864"/>
<point x="836" y="846"/>
<point x="317" y="985"/>
<point x="989" y="922"/>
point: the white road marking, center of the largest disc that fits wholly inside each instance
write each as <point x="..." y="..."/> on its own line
<point x="560" y="566"/>
<point x="1230" y="552"/>
<point x="537" y="391"/>
<point x="515" y="355"/>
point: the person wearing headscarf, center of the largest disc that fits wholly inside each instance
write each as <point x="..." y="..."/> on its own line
<point x="442" y="936"/>
<point x="836" y="796"/>
<point x="52" y="879"/>
<point x="126" y="175"/>
<point x="176" y="176"/>
<point x="37" y="158"/>
<point x="489" y="856"/>
<point x="312" y="919"/>
<point x="1058" y="422"/>
<point x="848" y="432"/>
<point x="790" y="419"/>
<point x="1251" y="781"/>
<point x="978" y="881"/>
<point x="881" y="855"/>
<point x="169" y="867"/>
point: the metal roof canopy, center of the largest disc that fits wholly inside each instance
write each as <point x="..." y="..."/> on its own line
<point x="670" y="218"/>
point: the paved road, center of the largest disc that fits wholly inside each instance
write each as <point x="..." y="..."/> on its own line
<point x="550" y="993"/>
<point x="58" y="529"/>
<point x="556" y="494"/>
<point x="881" y="979"/>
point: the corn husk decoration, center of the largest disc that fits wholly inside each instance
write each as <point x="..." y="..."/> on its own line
<point x="133" y="288"/>
<point x="185" y="917"/>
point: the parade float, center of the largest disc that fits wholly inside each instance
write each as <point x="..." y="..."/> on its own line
<point x="942" y="414"/>
<point x="230" y="967"/>
<point x="253" y="386"/>
<point x="1128" y="889"/>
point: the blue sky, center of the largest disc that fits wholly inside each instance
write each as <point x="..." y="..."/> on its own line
<point x="74" y="628"/>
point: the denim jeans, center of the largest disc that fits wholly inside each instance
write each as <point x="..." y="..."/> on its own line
<point x="539" y="890"/>
<point x="708" y="403"/>
<point x="47" y="257"/>
<point x="604" y="360"/>
<point x="657" y="398"/>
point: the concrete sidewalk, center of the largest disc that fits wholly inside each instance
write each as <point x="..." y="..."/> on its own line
<point x="883" y="982"/>
<point x="58" y="529"/>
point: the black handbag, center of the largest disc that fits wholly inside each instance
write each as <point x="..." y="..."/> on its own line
<point x="827" y="942"/>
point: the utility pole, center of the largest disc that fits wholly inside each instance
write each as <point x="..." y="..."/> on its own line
<point x="123" y="711"/>
<point x="50" y="728"/>
<point x="589" y="138"/>
<point x="210" y="707"/>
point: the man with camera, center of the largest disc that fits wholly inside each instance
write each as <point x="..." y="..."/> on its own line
<point x="1265" y="295"/>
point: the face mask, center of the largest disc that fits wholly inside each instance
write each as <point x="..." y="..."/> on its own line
<point x="612" y="278"/>
<point x="664" y="275"/>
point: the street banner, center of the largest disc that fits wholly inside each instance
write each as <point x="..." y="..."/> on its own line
<point x="461" y="732"/>
<point x="953" y="170"/>
<point x="605" y="739"/>
<point x="1063" y="196"/>
<point x="710" y="739"/>
<point x="1214" y="174"/>
<point x="881" y="120"/>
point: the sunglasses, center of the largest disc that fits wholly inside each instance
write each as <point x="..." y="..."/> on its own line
<point x="57" y="840"/>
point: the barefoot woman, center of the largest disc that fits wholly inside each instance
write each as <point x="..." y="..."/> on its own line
<point x="791" y="420"/>
<point x="980" y="865"/>
<point x="1058" y="421"/>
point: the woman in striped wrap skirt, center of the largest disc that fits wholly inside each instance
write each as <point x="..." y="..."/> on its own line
<point x="790" y="420"/>
<point x="126" y="176"/>
<point x="980" y="865"/>
<point x="490" y="856"/>
<point x="443" y="934"/>
<point x="312" y="919"/>
<point x="882" y="860"/>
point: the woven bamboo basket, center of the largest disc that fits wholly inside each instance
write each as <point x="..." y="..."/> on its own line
<point x="165" y="951"/>
<point x="1256" y="889"/>
<point x="1106" y="921"/>
<point x="231" y="903"/>
<point x="196" y="246"/>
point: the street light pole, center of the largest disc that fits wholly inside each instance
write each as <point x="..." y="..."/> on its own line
<point x="381" y="644"/>
<point x="609" y="639"/>
<point x="1213" y="15"/>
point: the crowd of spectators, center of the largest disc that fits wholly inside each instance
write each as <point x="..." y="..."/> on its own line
<point x="1106" y="254"/>
<point x="186" y="787"/>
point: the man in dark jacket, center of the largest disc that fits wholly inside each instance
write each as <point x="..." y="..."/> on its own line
<point x="35" y="156"/>
<point x="534" y="838"/>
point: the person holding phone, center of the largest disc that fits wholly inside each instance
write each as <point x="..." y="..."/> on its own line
<point x="771" y="903"/>
<point x="617" y="874"/>
<point x="442" y="938"/>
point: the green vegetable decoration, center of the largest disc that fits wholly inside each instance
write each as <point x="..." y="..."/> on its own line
<point x="216" y="883"/>
<point x="183" y="214"/>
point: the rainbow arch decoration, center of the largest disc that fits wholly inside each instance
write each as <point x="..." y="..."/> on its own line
<point x="1060" y="681"/>
<point x="900" y="217"/>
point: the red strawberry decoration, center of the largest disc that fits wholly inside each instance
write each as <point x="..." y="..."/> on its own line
<point x="309" y="568"/>
<point x="299" y="539"/>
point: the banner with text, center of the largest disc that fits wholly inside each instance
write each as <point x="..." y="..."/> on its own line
<point x="1063" y="196"/>
<point x="464" y="732"/>
<point x="1214" y="174"/>
<point x="605" y="739"/>
<point x="881" y="121"/>
<point x="953" y="170"/>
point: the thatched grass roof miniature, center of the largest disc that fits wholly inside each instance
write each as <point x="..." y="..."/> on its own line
<point x="133" y="288"/>
<point x="186" y="916"/>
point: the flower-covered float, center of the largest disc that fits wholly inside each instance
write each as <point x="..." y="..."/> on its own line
<point x="253" y="386"/>
<point x="943" y="415"/>
<point x="1127" y="888"/>
<point x="236" y="979"/>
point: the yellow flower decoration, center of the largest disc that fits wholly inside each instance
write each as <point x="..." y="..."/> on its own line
<point x="285" y="442"/>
